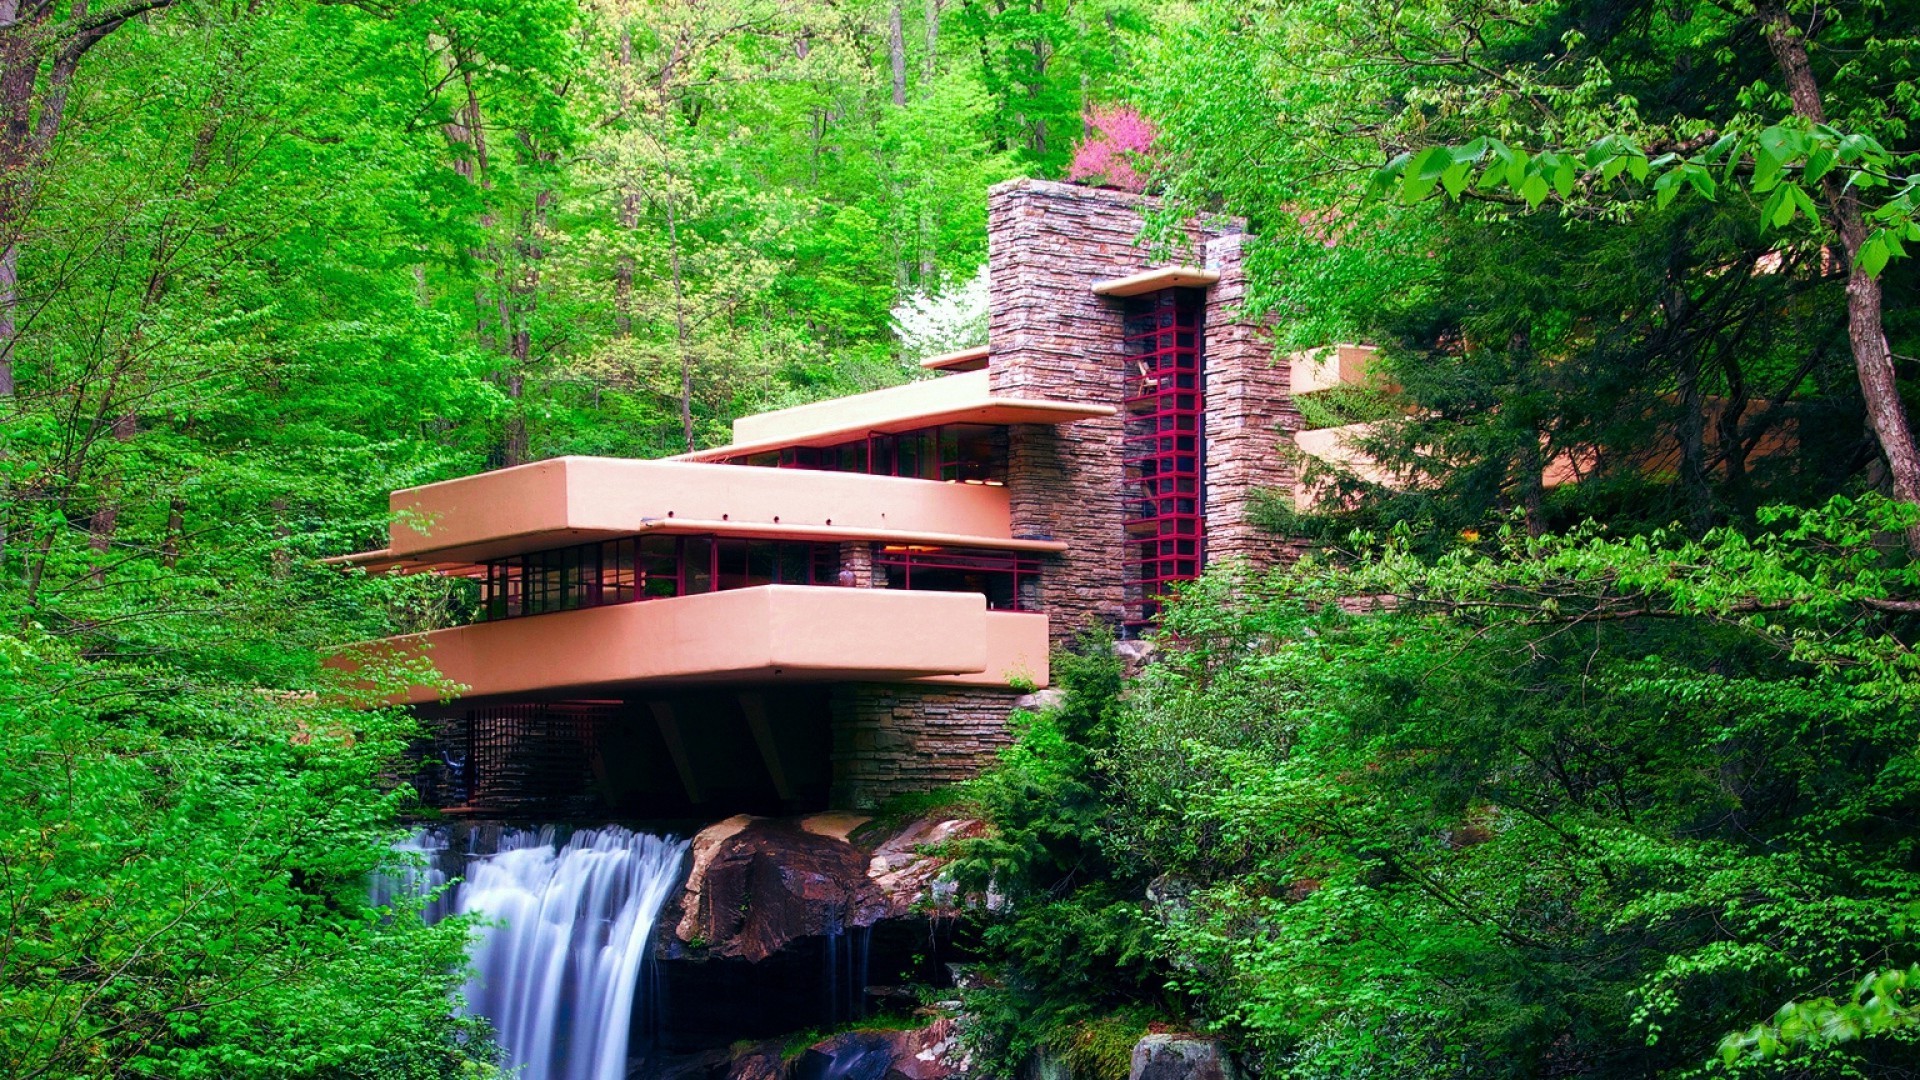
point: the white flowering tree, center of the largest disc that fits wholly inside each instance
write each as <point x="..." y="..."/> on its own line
<point x="942" y="321"/>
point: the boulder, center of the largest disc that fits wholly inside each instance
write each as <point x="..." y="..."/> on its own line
<point x="704" y="846"/>
<point x="1180" y="1057"/>
<point x="1134" y="655"/>
<point x="1040" y="700"/>
<point x="769" y="883"/>
<point x="755" y="885"/>
<point x="758" y="1061"/>
<point x="905" y="874"/>
<point x="850" y="1055"/>
<point x="929" y="1053"/>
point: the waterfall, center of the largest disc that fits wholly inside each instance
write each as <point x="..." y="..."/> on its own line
<point x="559" y="958"/>
<point x="419" y="876"/>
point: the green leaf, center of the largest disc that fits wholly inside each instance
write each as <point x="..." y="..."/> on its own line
<point x="1766" y="169"/>
<point x="1563" y="177"/>
<point x="1804" y="201"/>
<point x="1454" y="180"/>
<point x="1778" y="210"/>
<point x="1873" y="255"/>
<point x="1701" y="181"/>
<point x="1424" y="172"/>
<point x="1819" y="163"/>
<point x="1534" y="190"/>
<point x="1637" y="166"/>
<point x="1665" y="188"/>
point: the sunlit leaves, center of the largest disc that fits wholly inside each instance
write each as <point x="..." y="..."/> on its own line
<point x="1787" y="162"/>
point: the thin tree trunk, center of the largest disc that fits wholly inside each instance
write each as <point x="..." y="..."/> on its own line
<point x="176" y="524"/>
<point x="623" y="264"/>
<point x="1866" y="329"/>
<point x="897" y="53"/>
<point x="104" y="522"/>
<point x="680" y="327"/>
<point x="930" y="63"/>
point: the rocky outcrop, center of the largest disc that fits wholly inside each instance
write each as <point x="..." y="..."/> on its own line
<point x="929" y="1053"/>
<point x="756" y="885"/>
<point x="770" y="882"/>
<point x="792" y="924"/>
<point x="1180" y="1057"/>
<point x="759" y="1061"/>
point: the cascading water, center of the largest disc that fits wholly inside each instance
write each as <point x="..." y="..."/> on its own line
<point x="559" y="958"/>
<point x="420" y="876"/>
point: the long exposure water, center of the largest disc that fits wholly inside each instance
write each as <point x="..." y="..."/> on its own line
<point x="557" y="966"/>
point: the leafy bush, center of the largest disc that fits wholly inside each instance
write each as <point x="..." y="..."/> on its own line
<point x="1573" y="805"/>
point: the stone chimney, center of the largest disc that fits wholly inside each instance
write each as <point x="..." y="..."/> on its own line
<point x="1052" y="336"/>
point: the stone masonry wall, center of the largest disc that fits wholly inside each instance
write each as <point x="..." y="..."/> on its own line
<point x="1250" y="417"/>
<point x="891" y="739"/>
<point x="1052" y="337"/>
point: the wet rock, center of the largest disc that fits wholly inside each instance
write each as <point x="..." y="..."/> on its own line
<point x="757" y="884"/>
<point x="770" y="883"/>
<point x="1180" y="1057"/>
<point x="705" y="845"/>
<point x="929" y="1053"/>
<point x="852" y="1055"/>
<point x="758" y="1061"/>
<point x="906" y="873"/>
<point x="1040" y="700"/>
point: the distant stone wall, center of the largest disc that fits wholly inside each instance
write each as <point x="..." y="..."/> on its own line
<point x="1250" y="417"/>
<point x="890" y="739"/>
<point x="856" y="560"/>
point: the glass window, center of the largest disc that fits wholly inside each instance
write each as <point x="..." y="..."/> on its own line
<point x="1008" y="580"/>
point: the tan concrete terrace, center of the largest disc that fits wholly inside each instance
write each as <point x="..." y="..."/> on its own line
<point x="767" y="634"/>
<point x="454" y="525"/>
<point x="963" y="398"/>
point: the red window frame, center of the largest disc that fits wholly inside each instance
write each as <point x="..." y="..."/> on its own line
<point x="1021" y="572"/>
<point x="1162" y="448"/>
<point x="632" y="569"/>
<point x="930" y="453"/>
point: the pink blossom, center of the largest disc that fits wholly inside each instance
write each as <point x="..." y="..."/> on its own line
<point x="1112" y="155"/>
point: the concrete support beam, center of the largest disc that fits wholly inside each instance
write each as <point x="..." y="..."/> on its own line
<point x="669" y="725"/>
<point x="755" y="708"/>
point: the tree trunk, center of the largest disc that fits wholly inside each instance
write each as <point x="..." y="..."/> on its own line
<point x="1866" y="330"/>
<point x="170" y="540"/>
<point x="897" y="53"/>
<point x="680" y="327"/>
<point x="930" y="63"/>
<point x="623" y="264"/>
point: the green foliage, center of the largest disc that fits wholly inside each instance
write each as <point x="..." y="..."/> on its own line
<point x="1780" y="161"/>
<point x="1073" y="944"/>
<point x="1655" y="351"/>
<point x="1876" y="1009"/>
<point x="1574" y="805"/>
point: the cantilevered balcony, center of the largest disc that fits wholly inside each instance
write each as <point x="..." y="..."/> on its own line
<point x="963" y="398"/>
<point x="456" y="525"/>
<point x="771" y="634"/>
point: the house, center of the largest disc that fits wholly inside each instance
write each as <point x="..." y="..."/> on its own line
<point x="844" y="603"/>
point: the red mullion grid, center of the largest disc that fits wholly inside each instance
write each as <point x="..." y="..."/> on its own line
<point x="1156" y="524"/>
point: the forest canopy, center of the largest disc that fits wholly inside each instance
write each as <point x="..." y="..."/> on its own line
<point x="1500" y="779"/>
